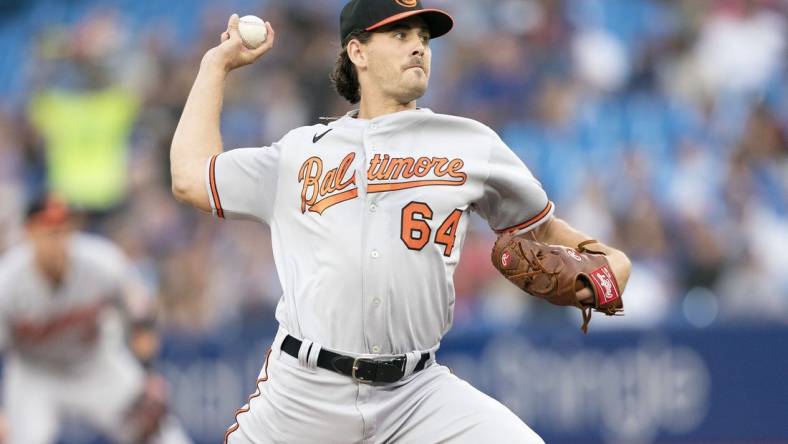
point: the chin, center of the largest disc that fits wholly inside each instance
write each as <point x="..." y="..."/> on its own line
<point x="413" y="92"/>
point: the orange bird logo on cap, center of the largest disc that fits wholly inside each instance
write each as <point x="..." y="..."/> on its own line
<point x="407" y="3"/>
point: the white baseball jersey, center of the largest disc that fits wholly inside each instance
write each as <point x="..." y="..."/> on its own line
<point x="368" y="219"/>
<point x="64" y="325"/>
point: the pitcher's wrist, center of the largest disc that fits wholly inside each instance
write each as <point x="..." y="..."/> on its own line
<point x="212" y="63"/>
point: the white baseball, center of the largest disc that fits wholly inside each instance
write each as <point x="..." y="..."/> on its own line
<point x="252" y="30"/>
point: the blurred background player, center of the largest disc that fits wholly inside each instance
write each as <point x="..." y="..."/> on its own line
<point x="66" y="299"/>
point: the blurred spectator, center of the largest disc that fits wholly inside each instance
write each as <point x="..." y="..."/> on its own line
<point x="600" y="60"/>
<point x="740" y="46"/>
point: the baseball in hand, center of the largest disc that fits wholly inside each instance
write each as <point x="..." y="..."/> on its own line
<point x="252" y="30"/>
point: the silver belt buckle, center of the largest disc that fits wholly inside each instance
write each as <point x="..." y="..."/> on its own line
<point x="355" y="368"/>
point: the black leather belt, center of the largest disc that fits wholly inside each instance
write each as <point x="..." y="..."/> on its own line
<point x="360" y="369"/>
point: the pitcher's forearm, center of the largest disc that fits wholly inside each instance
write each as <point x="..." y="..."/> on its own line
<point x="198" y="135"/>
<point x="558" y="232"/>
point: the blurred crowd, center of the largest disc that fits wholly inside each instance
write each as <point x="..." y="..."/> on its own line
<point x="657" y="126"/>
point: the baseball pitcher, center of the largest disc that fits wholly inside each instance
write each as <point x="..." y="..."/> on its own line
<point x="368" y="215"/>
<point x="65" y="300"/>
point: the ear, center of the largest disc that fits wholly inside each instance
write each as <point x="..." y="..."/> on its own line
<point x="357" y="53"/>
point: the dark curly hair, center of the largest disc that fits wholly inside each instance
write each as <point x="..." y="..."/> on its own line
<point x="345" y="77"/>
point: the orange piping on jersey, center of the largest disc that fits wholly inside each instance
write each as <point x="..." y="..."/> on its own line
<point x="248" y="406"/>
<point x="384" y="187"/>
<point x="530" y="221"/>
<point x="214" y="190"/>
<point x="330" y="201"/>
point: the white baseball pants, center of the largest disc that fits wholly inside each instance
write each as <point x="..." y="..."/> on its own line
<point x="296" y="404"/>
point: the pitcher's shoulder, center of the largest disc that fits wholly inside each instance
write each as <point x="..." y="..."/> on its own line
<point x="308" y="133"/>
<point x="463" y="124"/>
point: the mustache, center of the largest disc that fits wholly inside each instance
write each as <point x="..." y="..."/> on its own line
<point x="416" y="62"/>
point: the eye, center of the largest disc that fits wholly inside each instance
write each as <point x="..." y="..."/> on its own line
<point x="399" y="35"/>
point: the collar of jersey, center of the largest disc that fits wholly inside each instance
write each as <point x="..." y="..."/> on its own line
<point x="401" y="118"/>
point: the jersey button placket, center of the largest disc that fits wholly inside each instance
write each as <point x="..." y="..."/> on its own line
<point x="375" y="315"/>
<point x="368" y="135"/>
<point x="370" y="266"/>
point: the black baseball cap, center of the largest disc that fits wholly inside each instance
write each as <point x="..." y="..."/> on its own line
<point x="369" y="15"/>
<point x="47" y="209"/>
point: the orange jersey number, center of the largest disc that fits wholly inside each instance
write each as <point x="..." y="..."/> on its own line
<point x="448" y="232"/>
<point x="415" y="232"/>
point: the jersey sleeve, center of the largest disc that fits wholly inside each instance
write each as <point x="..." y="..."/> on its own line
<point x="242" y="183"/>
<point x="513" y="200"/>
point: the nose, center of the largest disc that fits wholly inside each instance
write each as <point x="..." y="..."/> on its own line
<point x="420" y="49"/>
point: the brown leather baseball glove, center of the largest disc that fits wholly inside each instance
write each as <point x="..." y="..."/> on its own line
<point x="555" y="273"/>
